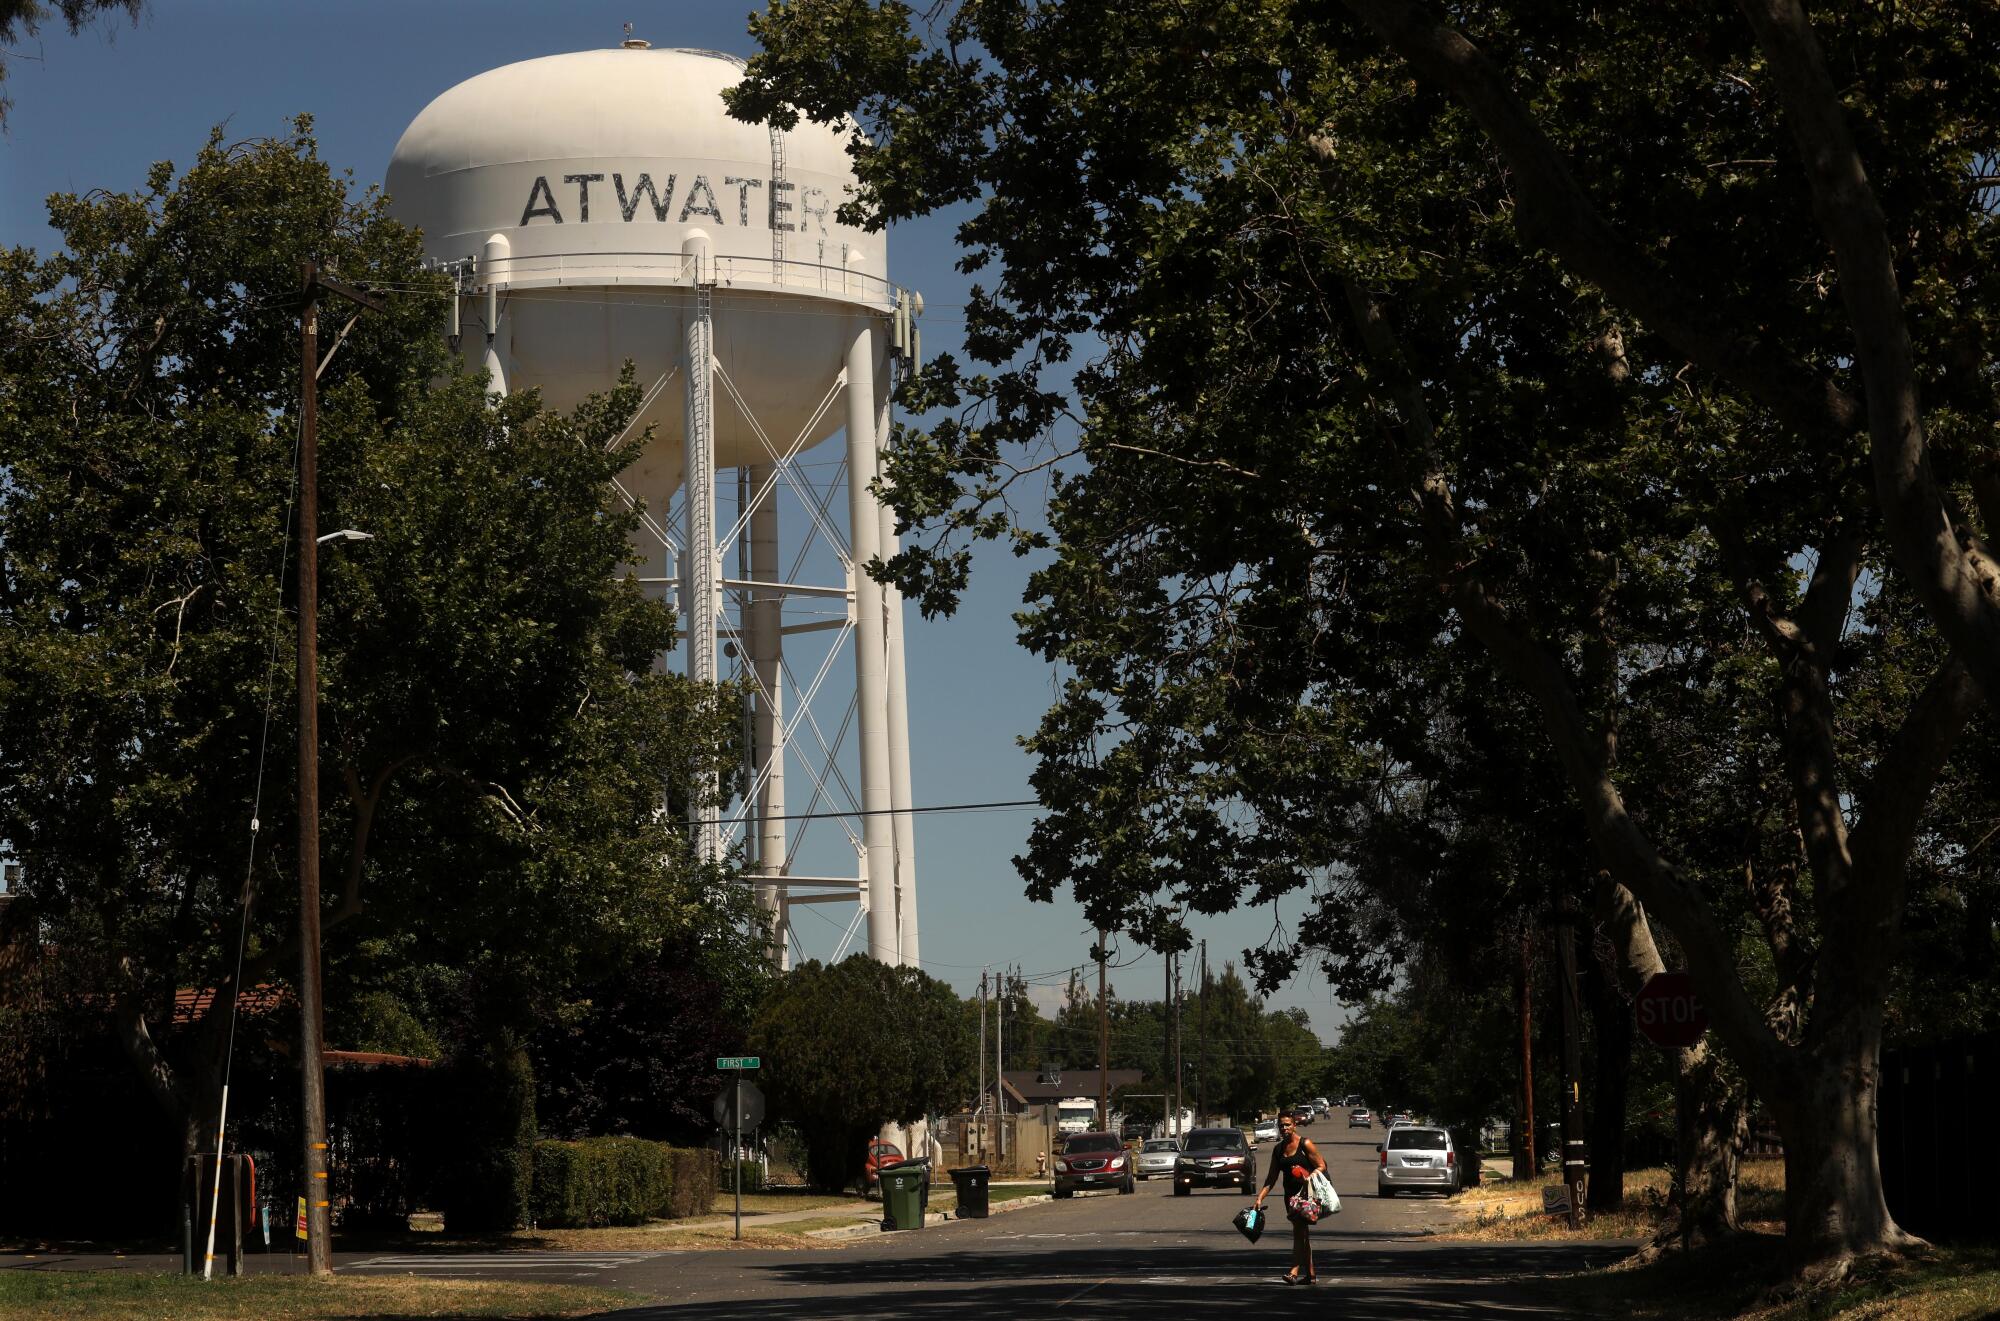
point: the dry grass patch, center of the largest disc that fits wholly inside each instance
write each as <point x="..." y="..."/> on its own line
<point x="1511" y="1209"/>
<point x="1747" y="1279"/>
<point x="133" y="1296"/>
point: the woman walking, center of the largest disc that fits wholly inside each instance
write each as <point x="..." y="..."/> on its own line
<point x="1295" y="1158"/>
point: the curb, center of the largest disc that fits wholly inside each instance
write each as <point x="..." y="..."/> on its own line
<point x="932" y="1220"/>
<point x="865" y="1228"/>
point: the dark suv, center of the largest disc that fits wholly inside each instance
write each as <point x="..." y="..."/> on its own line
<point x="1215" y="1158"/>
<point x="1093" y="1160"/>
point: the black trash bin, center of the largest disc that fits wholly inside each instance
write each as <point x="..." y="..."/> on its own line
<point x="974" y="1183"/>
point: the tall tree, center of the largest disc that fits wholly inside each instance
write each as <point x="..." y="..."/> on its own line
<point x="1348" y="411"/>
<point x="855" y="1045"/>
<point x="495" y="739"/>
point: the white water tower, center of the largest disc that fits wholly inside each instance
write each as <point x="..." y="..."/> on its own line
<point x="606" y="208"/>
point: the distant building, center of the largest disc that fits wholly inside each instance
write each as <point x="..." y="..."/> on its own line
<point x="1025" y="1090"/>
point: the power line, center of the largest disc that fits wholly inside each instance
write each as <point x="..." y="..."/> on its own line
<point x="1013" y="805"/>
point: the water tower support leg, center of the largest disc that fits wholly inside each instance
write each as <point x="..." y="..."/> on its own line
<point x="703" y="573"/>
<point x="904" y="825"/>
<point x="768" y="728"/>
<point x="864" y="357"/>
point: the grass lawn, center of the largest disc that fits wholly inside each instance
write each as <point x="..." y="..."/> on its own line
<point x="1737" y="1279"/>
<point x="119" y="1296"/>
<point x="1507" y="1209"/>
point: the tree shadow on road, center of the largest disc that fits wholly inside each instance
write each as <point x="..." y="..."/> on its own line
<point x="1105" y="1280"/>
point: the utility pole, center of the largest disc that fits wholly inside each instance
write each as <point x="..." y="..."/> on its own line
<point x="1103" y="1043"/>
<point x="1167" y="1041"/>
<point x="1575" y="1159"/>
<point x="1525" y="1166"/>
<point x="999" y="1063"/>
<point x="979" y="1110"/>
<point x="312" y="1065"/>
<point x="1201" y="1043"/>
<point x="1180" y="1086"/>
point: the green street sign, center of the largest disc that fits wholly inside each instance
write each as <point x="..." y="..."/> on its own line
<point x="737" y="1062"/>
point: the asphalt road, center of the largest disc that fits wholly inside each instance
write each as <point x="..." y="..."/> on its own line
<point x="1100" y="1255"/>
<point x="1149" y="1255"/>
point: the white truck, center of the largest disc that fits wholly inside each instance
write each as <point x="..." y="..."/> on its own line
<point x="1076" y="1114"/>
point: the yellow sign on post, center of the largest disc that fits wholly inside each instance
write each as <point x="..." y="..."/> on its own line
<point x="301" y="1230"/>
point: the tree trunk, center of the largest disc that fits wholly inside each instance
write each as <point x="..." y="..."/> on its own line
<point x="1611" y="1021"/>
<point x="1835" y="1210"/>
<point x="1524" y="1126"/>
<point x="1712" y="1121"/>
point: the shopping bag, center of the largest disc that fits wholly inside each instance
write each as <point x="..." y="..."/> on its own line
<point x="1304" y="1207"/>
<point x="1250" y="1221"/>
<point x="1320" y="1189"/>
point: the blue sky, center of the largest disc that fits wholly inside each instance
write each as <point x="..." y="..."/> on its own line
<point x="94" y="111"/>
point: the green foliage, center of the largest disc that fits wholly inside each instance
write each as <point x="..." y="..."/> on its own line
<point x="632" y="1053"/>
<point x="484" y="1118"/>
<point x="852" y="1046"/>
<point x="600" y="1181"/>
<point x="749" y="1174"/>
<point x="495" y="739"/>
<point x="1383" y="425"/>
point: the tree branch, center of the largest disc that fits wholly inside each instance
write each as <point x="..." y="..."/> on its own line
<point x="365" y="803"/>
<point x="136" y="1037"/>
<point x="1554" y="212"/>
<point x="1805" y="655"/>
<point x="1899" y="790"/>
<point x="1958" y="583"/>
<point x="1621" y="844"/>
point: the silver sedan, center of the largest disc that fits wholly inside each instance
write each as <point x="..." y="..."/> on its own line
<point x="1156" y="1157"/>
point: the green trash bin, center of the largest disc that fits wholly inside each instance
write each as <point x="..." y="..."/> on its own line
<point x="906" y="1191"/>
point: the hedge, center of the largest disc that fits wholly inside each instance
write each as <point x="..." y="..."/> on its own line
<point x="692" y="1192"/>
<point x="618" y="1181"/>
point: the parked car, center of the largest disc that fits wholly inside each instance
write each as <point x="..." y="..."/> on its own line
<point x="880" y="1153"/>
<point x="1359" y="1117"/>
<point x="1093" y="1160"/>
<point x="1215" y="1158"/>
<point x="1401" y="1117"/>
<point x="1266" y="1131"/>
<point x="1157" y="1158"/>
<point x="1416" y="1156"/>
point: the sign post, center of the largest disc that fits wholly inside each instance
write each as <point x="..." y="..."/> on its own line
<point x="735" y="1066"/>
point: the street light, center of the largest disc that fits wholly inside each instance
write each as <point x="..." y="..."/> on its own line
<point x="345" y="534"/>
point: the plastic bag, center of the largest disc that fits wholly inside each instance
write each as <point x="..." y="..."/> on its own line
<point x="1320" y="1189"/>
<point x="1250" y="1223"/>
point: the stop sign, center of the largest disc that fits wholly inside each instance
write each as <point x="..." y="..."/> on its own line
<point x="1669" y="1012"/>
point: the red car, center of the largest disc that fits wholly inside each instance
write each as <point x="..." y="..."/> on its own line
<point x="880" y="1153"/>
<point x="1093" y="1160"/>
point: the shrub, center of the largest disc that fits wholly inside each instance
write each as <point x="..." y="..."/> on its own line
<point x="600" y="1181"/>
<point x="485" y="1129"/>
<point x="693" y="1190"/>
<point x="749" y="1177"/>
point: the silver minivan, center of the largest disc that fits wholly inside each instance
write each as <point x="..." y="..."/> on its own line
<point x="1416" y="1156"/>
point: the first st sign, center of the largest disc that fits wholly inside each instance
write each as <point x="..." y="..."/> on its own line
<point x="738" y="1062"/>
